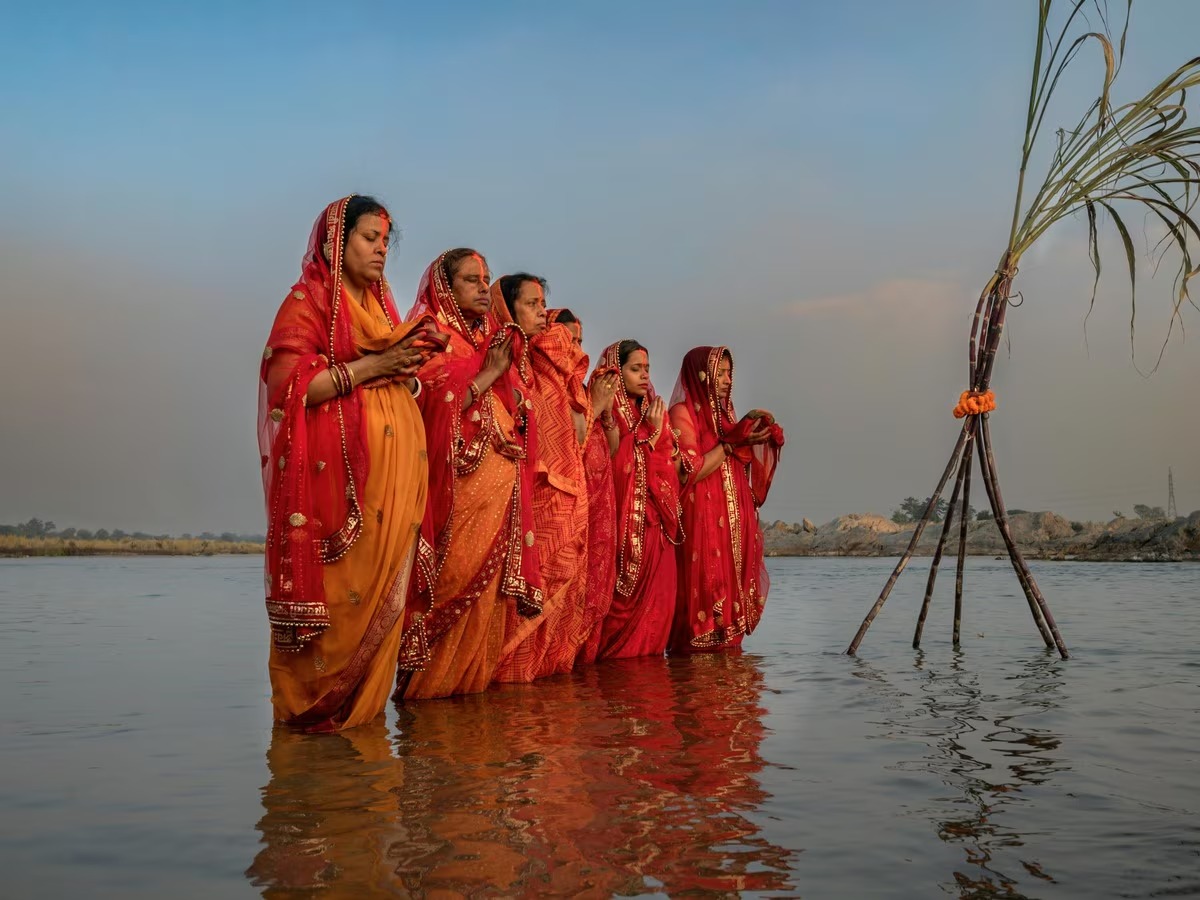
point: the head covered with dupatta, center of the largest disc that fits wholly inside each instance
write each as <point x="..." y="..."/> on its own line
<point x="715" y="422"/>
<point x="457" y="440"/>
<point x="314" y="462"/>
<point x="634" y="463"/>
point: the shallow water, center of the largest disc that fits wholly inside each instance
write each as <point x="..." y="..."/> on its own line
<point x="138" y="760"/>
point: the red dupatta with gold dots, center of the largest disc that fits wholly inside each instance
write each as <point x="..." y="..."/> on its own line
<point x="313" y="460"/>
<point x="644" y="477"/>
<point x="723" y="582"/>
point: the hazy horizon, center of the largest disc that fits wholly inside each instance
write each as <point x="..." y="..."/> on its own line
<point x="825" y="189"/>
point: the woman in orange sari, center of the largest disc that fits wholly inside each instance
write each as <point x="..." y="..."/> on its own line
<point x="723" y="581"/>
<point x="556" y="372"/>
<point x="646" y="466"/>
<point x="481" y="440"/>
<point x="343" y="461"/>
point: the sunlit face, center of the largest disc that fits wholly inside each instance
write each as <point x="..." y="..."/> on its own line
<point x="724" y="377"/>
<point x="366" y="250"/>
<point x="636" y="373"/>
<point x="576" y="329"/>
<point x="529" y="309"/>
<point x="470" y="282"/>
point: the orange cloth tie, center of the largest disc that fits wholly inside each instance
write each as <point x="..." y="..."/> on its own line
<point x="972" y="403"/>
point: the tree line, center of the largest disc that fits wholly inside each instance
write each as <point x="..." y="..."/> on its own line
<point x="911" y="509"/>
<point x="45" y="528"/>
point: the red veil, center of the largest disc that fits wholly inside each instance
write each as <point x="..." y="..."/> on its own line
<point x="644" y="477"/>
<point x="456" y="445"/>
<point x="313" y="460"/>
<point x="602" y="540"/>
<point x="555" y="354"/>
<point x="723" y="579"/>
<point x="554" y="381"/>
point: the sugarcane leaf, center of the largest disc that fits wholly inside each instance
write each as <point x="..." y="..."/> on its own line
<point x="1131" y="261"/>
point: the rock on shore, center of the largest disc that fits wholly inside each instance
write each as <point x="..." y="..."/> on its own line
<point x="1040" y="535"/>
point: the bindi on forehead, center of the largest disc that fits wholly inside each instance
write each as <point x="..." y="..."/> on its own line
<point x="369" y="225"/>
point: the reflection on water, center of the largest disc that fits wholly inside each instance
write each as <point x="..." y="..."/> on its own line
<point x="982" y="750"/>
<point x="630" y="777"/>
<point x="137" y="716"/>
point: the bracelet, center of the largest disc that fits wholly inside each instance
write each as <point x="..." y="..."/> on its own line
<point x="607" y="421"/>
<point x="336" y="377"/>
<point x="652" y="440"/>
<point x="476" y="393"/>
<point x="347" y="377"/>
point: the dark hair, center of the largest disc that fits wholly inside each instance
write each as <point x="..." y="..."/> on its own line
<point x="451" y="260"/>
<point x="510" y="287"/>
<point x="360" y="205"/>
<point x="626" y="349"/>
<point x="565" y="316"/>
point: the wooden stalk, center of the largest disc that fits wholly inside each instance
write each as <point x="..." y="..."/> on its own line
<point x="962" y="537"/>
<point x="964" y="462"/>
<point x="1037" y="603"/>
<point x="912" y="544"/>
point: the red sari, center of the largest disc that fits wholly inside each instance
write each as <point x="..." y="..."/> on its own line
<point x="646" y="489"/>
<point x="722" y="578"/>
<point x="548" y="644"/>
<point x="479" y="522"/>
<point x="345" y="484"/>
<point x="601" y="579"/>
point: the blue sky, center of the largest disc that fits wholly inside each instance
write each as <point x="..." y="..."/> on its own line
<point x="822" y="186"/>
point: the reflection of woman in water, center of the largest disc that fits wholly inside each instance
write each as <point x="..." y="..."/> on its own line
<point x="692" y="754"/>
<point x="637" y="774"/>
<point x="330" y="814"/>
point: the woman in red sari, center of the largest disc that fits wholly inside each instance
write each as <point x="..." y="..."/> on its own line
<point x="601" y="578"/>
<point x="556" y="372"/>
<point x="723" y="581"/>
<point x="343" y="461"/>
<point x="482" y="440"/>
<point x="645" y="468"/>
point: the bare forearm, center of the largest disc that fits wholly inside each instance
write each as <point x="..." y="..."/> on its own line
<point x="613" y="436"/>
<point x="323" y="388"/>
<point x="479" y="386"/>
<point x="711" y="461"/>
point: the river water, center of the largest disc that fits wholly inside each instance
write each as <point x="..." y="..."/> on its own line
<point x="137" y="757"/>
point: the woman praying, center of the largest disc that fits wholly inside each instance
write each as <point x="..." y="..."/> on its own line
<point x="555" y="385"/>
<point x="344" y="472"/>
<point x="482" y="443"/>
<point x="722" y="579"/>
<point x="645" y="467"/>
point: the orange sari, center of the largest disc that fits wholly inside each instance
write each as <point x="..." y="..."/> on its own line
<point x="479" y="509"/>
<point x="548" y="644"/>
<point x="335" y="639"/>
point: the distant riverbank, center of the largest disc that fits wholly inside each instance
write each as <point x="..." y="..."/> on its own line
<point x="1040" y="535"/>
<point x="15" y="545"/>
